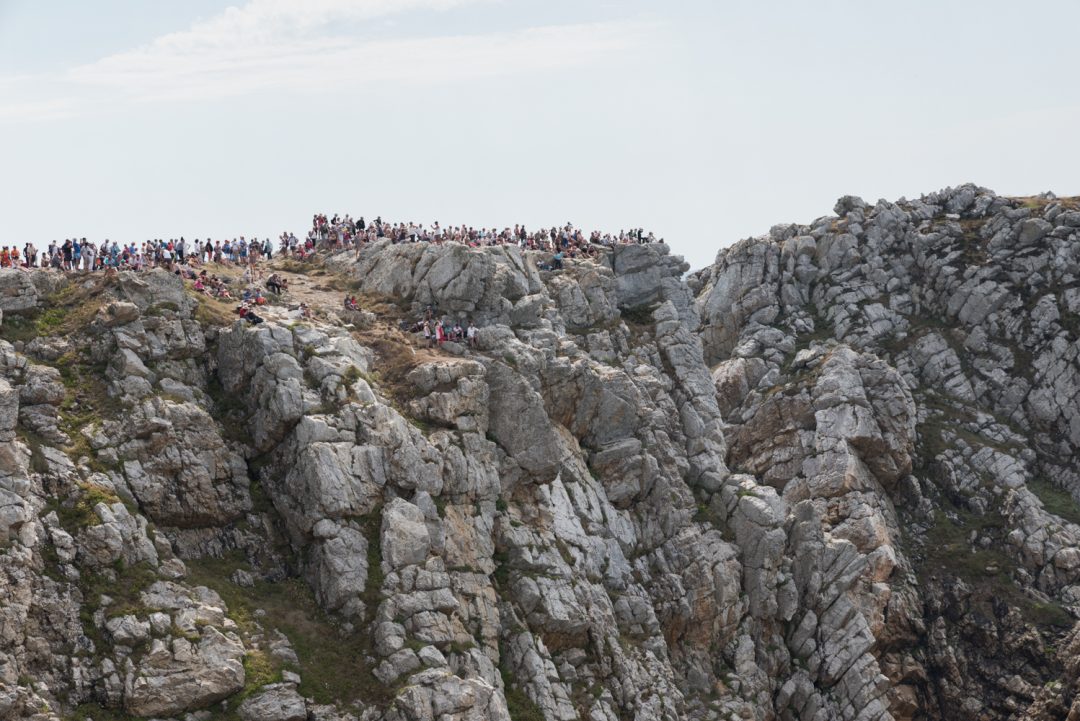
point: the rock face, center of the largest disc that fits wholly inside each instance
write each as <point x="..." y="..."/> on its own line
<point x="831" y="476"/>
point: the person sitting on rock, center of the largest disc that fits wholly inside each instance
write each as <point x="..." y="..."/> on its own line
<point x="470" y="334"/>
<point x="556" y="261"/>
<point x="273" y="284"/>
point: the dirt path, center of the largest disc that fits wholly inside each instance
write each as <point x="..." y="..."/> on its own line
<point x="397" y="352"/>
<point x="312" y="290"/>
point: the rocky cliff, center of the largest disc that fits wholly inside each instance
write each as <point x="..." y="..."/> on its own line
<point x="831" y="476"/>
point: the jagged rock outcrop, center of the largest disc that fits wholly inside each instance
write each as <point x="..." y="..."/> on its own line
<point x="963" y="300"/>
<point x="829" y="477"/>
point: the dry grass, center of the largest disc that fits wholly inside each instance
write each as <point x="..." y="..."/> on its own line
<point x="396" y="355"/>
<point x="214" y="311"/>
<point x="1036" y="203"/>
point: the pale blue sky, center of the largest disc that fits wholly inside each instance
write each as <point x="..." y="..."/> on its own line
<point x="704" y="120"/>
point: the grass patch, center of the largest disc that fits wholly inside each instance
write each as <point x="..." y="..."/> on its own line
<point x="518" y="703"/>
<point x="948" y="548"/>
<point x="989" y="571"/>
<point x="501" y="575"/>
<point x="75" y="305"/>
<point x="229" y="410"/>
<point x="300" y="267"/>
<point x="38" y="462"/>
<point x="93" y="712"/>
<point x="638" y="315"/>
<point x="332" y="661"/>
<point x="972" y="244"/>
<point x="1055" y="500"/>
<point x="78" y="512"/>
<point x="68" y="310"/>
<point x="87" y="402"/>
<point x="388" y="308"/>
<point x="214" y="311"/>
<point x="163" y="308"/>
<point x="394" y="358"/>
<point x="1037" y="203"/>
<point x="124" y="585"/>
<point x="19" y="327"/>
<point x="372" y="526"/>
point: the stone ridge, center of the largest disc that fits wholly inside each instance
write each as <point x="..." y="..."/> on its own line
<point x="831" y="476"/>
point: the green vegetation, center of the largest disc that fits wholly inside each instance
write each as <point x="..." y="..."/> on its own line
<point x="165" y="307"/>
<point x="87" y="402"/>
<point x="501" y="576"/>
<point x="372" y="525"/>
<point x="38" y="462"/>
<point x="19" y="327"/>
<point x="332" y="661"/>
<point x="1055" y="500"/>
<point x="94" y="712"/>
<point x="78" y="512"/>
<point x="518" y="703"/>
<point x="351" y="375"/>
<point x="1070" y="322"/>
<point x="988" y="570"/>
<point x="972" y="244"/>
<point x="50" y="320"/>
<point x="948" y="547"/>
<point x="638" y="315"/>
<point x="124" y="584"/>
<point x="126" y="590"/>
<point x="229" y="409"/>
<point x="67" y="310"/>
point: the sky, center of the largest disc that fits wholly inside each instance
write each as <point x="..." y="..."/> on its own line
<point x="705" y="121"/>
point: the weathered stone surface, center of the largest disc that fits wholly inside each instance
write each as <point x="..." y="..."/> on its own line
<point x="274" y="703"/>
<point x="405" y="538"/>
<point x="827" y="477"/>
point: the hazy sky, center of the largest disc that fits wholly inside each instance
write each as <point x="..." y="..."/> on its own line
<point x="704" y="120"/>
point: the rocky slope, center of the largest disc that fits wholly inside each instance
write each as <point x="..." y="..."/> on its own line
<point x="831" y="476"/>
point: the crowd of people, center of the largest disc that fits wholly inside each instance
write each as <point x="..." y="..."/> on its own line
<point x="336" y="232"/>
<point x="80" y="254"/>
<point x="565" y="242"/>
<point x="436" y="330"/>
<point x="188" y="258"/>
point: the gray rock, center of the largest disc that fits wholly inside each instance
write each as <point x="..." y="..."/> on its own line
<point x="276" y="702"/>
<point x="405" y="539"/>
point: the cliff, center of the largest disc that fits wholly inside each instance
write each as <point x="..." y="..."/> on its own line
<point x="830" y="476"/>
